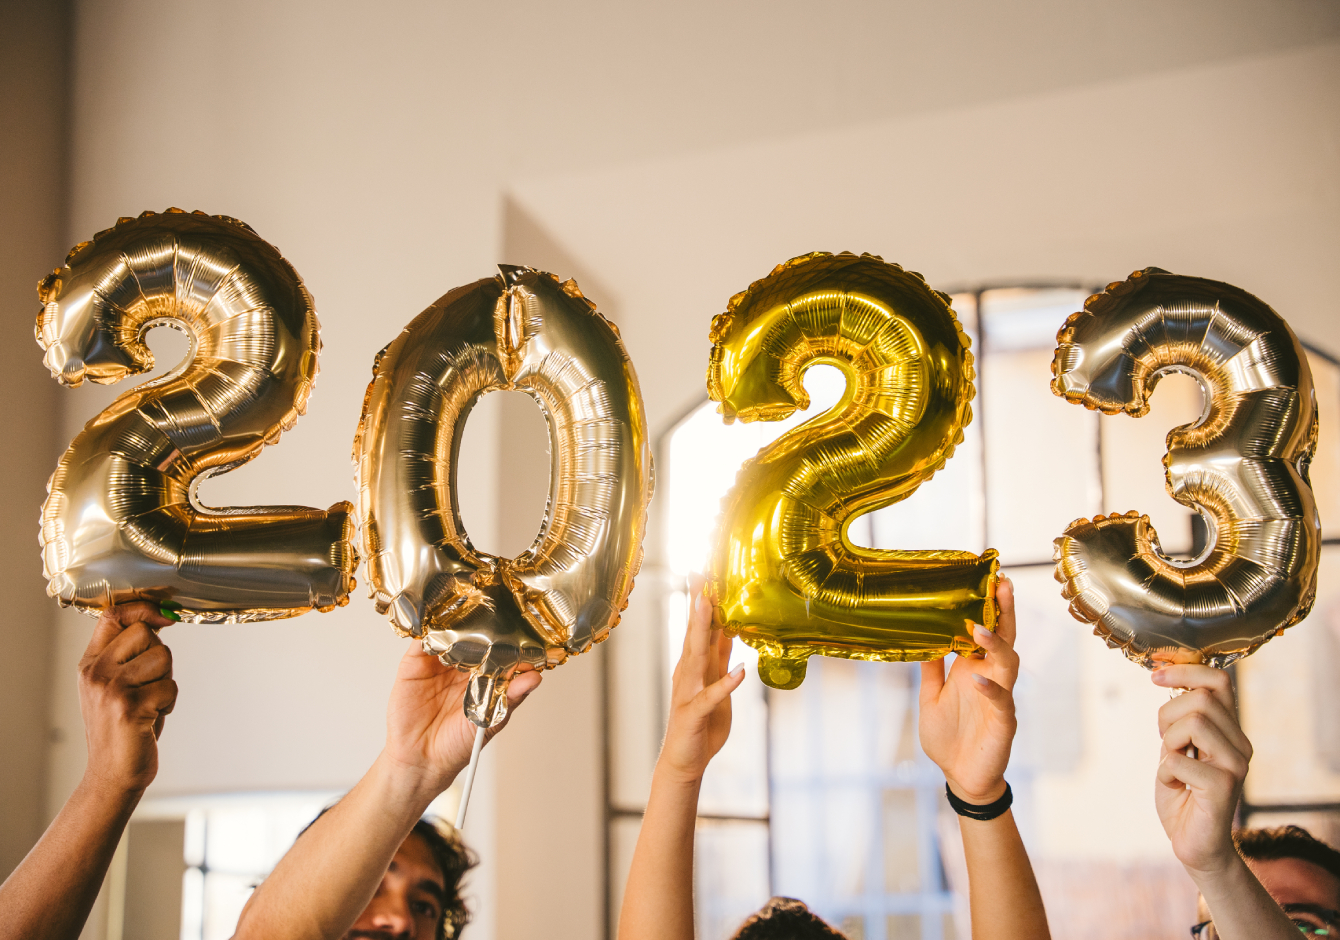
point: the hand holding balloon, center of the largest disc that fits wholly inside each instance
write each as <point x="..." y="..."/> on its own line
<point x="428" y="736"/>
<point x="967" y="720"/>
<point x="1196" y="797"/>
<point x="700" y="709"/>
<point x="126" y="692"/>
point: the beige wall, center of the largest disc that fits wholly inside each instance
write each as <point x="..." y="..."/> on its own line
<point x="667" y="156"/>
<point x="33" y="60"/>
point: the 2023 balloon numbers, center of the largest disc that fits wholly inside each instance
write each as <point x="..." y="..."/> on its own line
<point x="122" y="521"/>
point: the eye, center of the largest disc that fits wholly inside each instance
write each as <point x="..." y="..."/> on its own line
<point x="424" y="908"/>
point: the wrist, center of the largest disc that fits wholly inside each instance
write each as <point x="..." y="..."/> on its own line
<point x="111" y="793"/>
<point x="1224" y="870"/>
<point x="677" y="777"/>
<point x="980" y="793"/>
<point x="409" y="785"/>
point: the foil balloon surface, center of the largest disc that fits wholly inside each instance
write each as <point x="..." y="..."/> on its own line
<point x="121" y="520"/>
<point x="524" y="331"/>
<point x="784" y="575"/>
<point x="1243" y="466"/>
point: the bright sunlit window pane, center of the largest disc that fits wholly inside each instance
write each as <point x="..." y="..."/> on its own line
<point x="730" y="873"/>
<point x="948" y="511"/>
<point x="705" y="453"/>
<point x="1041" y="452"/>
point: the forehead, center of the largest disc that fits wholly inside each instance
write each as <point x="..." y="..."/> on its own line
<point x="414" y="860"/>
<point x="1294" y="881"/>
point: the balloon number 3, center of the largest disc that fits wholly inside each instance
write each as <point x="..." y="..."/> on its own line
<point x="121" y="520"/>
<point x="522" y="330"/>
<point x="784" y="575"/>
<point x="1243" y="466"/>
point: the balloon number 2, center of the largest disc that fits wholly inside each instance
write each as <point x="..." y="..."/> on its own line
<point x="121" y="520"/>
<point x="784" y="575"/>
<point x="1243" y="466"/>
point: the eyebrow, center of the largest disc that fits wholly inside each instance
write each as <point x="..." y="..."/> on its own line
<point x="1325" y="913"/>
<point x="433" y="888"/>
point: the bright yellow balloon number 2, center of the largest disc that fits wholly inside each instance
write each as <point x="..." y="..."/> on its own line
<point x="784" y="575"/>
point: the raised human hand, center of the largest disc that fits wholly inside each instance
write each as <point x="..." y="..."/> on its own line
<point x="126" y="691"/>
<point x="1196" y="797"/>
<point x="427" y="733"/>
<point x="700" y="712"/>
<point x="967" y="721"/>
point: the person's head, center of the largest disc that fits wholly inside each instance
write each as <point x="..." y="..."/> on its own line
<point x="419" y="897"/>
<point x="785" y="919"/>
<point x="1299" y="871"/>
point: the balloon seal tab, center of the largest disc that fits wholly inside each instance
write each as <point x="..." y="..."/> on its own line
<point x="486" y="700"/>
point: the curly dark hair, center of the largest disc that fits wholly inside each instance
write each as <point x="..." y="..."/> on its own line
<point x="453" y="859"/>
<point x="1267" y="845"/>
<point x="785" y="919"/>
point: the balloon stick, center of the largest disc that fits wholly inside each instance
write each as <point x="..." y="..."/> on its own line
<point x="470" y="776"/>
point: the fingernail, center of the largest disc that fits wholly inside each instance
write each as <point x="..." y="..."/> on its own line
<point x="170" y="612"/>
<point x="738" y="671"/>
<point x="698" y="604"/>
<point x="980" y="679"/>
<point x="1158" y="676"/>
<point x="980" y="631"/>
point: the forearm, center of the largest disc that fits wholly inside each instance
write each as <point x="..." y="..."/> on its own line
<point x="49" y="895"/>
<point x="1002" y="891"/>
<point x="658" y="899"/>
<point x="324" y="882"/>
<point x="1240" y="906"/>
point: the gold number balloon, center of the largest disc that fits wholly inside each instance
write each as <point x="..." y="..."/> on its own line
<point x="783" y="574"/>
<point x="1243" y="466"/>
<point x="525" y="331"/>
<point x="122" y="520"/>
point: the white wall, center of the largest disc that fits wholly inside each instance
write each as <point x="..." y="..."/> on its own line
<point x="676" y="153"/>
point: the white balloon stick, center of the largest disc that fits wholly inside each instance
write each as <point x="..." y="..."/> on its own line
<point x="470" y="776"/>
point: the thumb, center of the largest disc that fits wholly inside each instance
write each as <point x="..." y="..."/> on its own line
<point x="113" y="620"/>
<point x="932" y="682"/>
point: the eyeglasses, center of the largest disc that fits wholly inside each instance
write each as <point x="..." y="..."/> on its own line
<point x="1309" y="924"/>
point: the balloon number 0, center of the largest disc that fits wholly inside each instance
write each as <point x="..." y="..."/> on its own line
<point x="1243" y="466"/>
<point x="525" y="331"/>
<point x="121" y="520"/>
<point x="784" y="575"/>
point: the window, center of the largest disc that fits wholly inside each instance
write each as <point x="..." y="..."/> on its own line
<point x="822" y="793"/>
